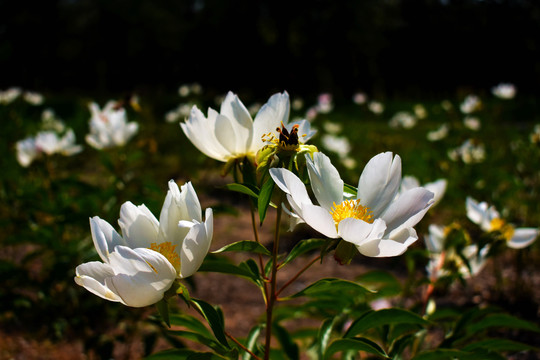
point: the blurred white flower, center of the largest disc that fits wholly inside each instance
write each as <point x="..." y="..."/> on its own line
<point x="447" y="105"/>
<point x="184" y="90"/>
<point x="359" y="98"/>
<point x="26" y="151"/>
<point x="297" y="104"/>
<point x="109" y="127"/>
<point x="196" y="88"/>
<point x="470" y="104"/>
<point x="181" y="112"/>
<point x="349" y="162"/>
<point x="435" y="244"/>
<point x="472" y="122"/>
<point x="232" y="133"/>
<point x="9" y="95"/>
<point x="332" y="127"/>
<point x="375" y="223"/>
<point x="33" y="98"/>
<point x="376" y="107"/>
<point x="437" y="187"/>
<point x="336" y="144"/>
<point x="403" y="119"/>
<point x="535" y="135"/>
<point x="142" y="264"/>
<point x="438" y="134"/>
<point x="325" y="103"/>
<point x="49" y="142"/>
<point x="49" y="121"/>
<point x="468" y="152"/>
<point x="504" y="91"/>
<point x="489" y="220"/>
<point x="311" y="113"/>
<point x="420" y="111"/>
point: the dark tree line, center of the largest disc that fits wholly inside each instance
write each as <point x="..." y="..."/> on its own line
<point x="394" y="47"/>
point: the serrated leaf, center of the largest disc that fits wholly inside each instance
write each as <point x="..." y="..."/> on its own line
<point x="214" y="317"/>
<point x="356" y="344"/>
<point x="329" y="287"/>
<point x="303" y="247"/>
<point x="382" y="317"/>
<point x="245" y="245"/>
<point x="264" y="197"/>
<point x="244" y="189"/>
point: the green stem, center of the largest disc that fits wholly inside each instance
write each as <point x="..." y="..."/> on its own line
<point x="272" y="295"/>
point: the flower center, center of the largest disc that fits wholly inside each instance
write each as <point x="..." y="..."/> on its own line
<point x="288" y="141"/>
<point x="351" y="209"/>
<point x="168" y="250"/>
<point x="506" y="230"/>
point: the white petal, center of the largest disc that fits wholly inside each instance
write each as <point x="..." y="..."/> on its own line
<point x="139" y="226"/>
<point x="92" y="277"/>
<point x="196" y="246"/>
<point x="319" y="219"/>
<point x="226" y="135"/>
<point x="200" y="131"/>
<point x="435" y="240"/>
<point x="269" y="117"/>
<point x="325" y="180"/>
<point x="358" y="231"/>
<point x="379" y="182"/>
<point x="408" y="209"/>
<point x="304" y="128"/>
<point x="438" y="188"/>
<point x="153" y="276"/>
<point x="522" y="238"/>
<point x="233" y="109"/>
<point x="395" y="245"/>
<point x="105" y="237"/>
<point x="409" y="182"/>
<point x="291" y="185"/>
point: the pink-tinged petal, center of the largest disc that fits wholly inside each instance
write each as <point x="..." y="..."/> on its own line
<point x="408" y="209"/>
<point x="325" y="181"/>
<point x="139" y="226"/>
<point x="105" y="237"/>
<point x="379" y="182"/>
<point x="319" y="219"/>
<point x="522" y="238"/>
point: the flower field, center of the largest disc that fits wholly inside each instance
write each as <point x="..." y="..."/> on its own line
<point x="197" y="225"/>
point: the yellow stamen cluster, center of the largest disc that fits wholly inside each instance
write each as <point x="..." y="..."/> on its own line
<point x="506" y="230"/>
<point x="168" y="250"/>
<point x="351" y="209"/>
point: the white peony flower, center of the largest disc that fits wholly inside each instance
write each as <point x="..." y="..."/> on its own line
<point x="489" y="220"/>
<point x="232" y="133"/>
<point x="109" y="127"/>
<point x="438" y="134"/>
<point x="142" y="264"/>
<point x="374" y="222"/>
<point x="504" y="91"/>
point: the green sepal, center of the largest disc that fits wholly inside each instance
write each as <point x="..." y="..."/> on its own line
<point x="163" y="309"/>
<point x="345" y="251"/>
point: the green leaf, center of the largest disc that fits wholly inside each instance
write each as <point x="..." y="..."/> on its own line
<point x="251" y="341"/>
<point x="323" y="337"/>
<point x="163" y="309"/>
<point x="223" y="266"/>
<point x="384" y="317"/>
<point x="303" y="247"/>
<point x="329" y="287"/>
<point x="190" y="322"/>
<point x="499" y="345"/>
<point x="287" y="344"/>
<point x="349" y="189"/>
<point x="199" y="338"/>
<point x="383" y="282"/>
<point x="356" y="344"/>
<point x="246" y="245"/>
<point x="170" y="354"/>
<point x="244" y="189"/>
<point x="214" y="317"/>
<point x="504" y="321"/>
<point x="264" y="197"/>
<point x="450" y="354"/>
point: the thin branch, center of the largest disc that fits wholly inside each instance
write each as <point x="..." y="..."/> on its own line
<point x="242" y="346"/>
<point x="298" y="274"/>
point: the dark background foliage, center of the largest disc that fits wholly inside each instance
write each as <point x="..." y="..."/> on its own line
<point x="392" y="47"/>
